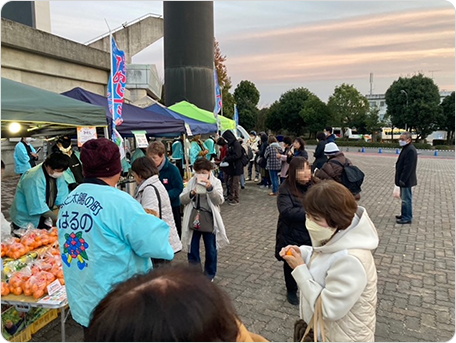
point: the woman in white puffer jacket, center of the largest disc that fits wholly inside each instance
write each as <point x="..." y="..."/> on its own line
<point x="339" y="268"/>
<point x="146" y="176"/>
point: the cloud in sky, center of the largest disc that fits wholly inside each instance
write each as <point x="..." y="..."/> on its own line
<point x="314" y="44"/>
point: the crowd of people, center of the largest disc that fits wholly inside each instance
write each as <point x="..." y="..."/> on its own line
<point x="324" y="238"/>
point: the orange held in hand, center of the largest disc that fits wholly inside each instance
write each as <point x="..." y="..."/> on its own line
<point x="289" y="252"/>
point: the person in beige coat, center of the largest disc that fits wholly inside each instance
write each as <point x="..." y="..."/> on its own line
<point x="209" y="198"/>
<point x="339" y="268"/>
<point x="153" y="197"/>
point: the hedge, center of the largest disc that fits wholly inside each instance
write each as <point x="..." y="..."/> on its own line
<point x="382" y="145"/>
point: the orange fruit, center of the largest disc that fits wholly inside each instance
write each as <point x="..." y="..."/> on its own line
<point x="289" y="252"/>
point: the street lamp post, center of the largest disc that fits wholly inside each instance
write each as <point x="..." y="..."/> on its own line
<point x="406" y="106"/>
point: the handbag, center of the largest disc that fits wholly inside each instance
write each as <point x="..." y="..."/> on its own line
<point x="311" y="329"/>
<point x="201" y="220"/>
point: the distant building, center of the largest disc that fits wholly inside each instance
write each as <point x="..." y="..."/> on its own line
<point x="378" y="101"/>
<point x="36" y="14"/>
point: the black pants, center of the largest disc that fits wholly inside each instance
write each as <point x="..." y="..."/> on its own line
<point x="178" y="219"/>
<point x="290" y="282"/>
<point x="179" y="166"/>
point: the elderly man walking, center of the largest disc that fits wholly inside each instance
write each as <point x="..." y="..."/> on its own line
<point x="405" y="177"/>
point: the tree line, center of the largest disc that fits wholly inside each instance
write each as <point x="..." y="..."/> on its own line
<point x="413" y="103"/>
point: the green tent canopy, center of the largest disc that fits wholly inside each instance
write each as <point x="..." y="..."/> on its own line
<point x="191" y="111"/>
<point x="26" y="104"/>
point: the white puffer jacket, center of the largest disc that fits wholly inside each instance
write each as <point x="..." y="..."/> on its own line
<point x="343" y="272"/>
<point x="147" y="197"/>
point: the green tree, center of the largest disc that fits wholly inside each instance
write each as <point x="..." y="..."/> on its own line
<point x="273" y="119"/>
<point x="291" y="105"/>
<point x="348" y="107"/>
<point x="247" y="97"/>
<point x="447" y="119"/>
<point x="261" y="119"/>
<point x="413" y="103"/>
<point x="315" y="114"/>
<point x="373" y="123"/>
<point x="228" y="105"/>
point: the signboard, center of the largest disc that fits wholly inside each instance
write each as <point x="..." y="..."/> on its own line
<point x="141" y="139"/>
<point x="86" y="133"/>
<point x="189" y="131"/>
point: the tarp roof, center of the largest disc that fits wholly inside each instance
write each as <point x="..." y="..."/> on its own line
<point x="26" y="104"/>
<point x="194" y="112"/>
<point x="135" y="118"/>
<point x="196" y="126"/>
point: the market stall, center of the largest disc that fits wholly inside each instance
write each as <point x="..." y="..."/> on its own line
<point x="134" y="118"/>
<point x="191" y="111"/>
<point x="40" y="111"/>
<point x="32" y="282"/>
<point x="197" y="127"/>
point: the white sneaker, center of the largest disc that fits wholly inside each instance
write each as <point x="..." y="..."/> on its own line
<point x="248" y="179"/>
<point x="256" y="179"/>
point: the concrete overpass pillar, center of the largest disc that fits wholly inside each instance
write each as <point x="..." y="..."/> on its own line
<point x="189" y="52"/>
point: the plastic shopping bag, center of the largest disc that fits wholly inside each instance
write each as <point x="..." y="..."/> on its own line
<point x="396" y="192"/>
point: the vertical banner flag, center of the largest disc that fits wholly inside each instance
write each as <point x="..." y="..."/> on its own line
<point x="218" y="94"/>
<point x="116" y="91"/>
<point x="117" y="83"/>
<point x="236" y="115"/>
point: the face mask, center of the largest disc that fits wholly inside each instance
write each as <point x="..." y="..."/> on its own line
<point x="56" y="175"/>
<point x="402" y="143"/>
<point x="318" y="233"/>
<point x="28" y="139"/>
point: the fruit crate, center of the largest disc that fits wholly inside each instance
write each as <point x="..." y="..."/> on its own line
<point x="44" y="320"/>
<point x="23" y="336"/>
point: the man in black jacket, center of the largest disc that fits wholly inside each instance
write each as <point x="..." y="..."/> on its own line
<point x="234" y="169"/>
<point x="405" y="177"/>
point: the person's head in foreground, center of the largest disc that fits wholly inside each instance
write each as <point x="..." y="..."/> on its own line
<point x="170" y="304"/>
<point x="330" y="207"/>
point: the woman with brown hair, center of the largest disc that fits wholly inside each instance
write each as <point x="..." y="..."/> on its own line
<point x="339" y="270"/>
<point x="172" y="304"/>
<point x="291" y="228"/>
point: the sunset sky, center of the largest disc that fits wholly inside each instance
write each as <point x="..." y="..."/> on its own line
<point x="314" y="44"/>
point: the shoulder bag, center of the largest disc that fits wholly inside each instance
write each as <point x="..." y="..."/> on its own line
<point x="315" y="326"/>
<point x="201" y="219"/>
<point x="158" y="198"/>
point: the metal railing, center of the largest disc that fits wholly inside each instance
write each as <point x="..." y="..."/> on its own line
<point x="124" y="25"/>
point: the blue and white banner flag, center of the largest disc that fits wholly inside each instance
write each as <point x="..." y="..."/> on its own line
<point x="117" y="82"/>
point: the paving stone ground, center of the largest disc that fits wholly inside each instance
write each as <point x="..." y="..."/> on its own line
<point x="415" y="263"/>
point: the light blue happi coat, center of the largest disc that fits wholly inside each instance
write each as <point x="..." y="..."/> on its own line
<point x="105" y="238"/>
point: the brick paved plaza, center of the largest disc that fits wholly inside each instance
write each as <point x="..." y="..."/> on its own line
<point x="415" y="262"/>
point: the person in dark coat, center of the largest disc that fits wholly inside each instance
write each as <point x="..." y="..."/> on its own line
<point x="405" y="177"/>
<point x="331" y="170"/>
<point x="319" y="154"/>
<point x="330" y="136"/>
<point x="234" y="169"/>
<point x="265" y="180"/>
<point x="291" y="227"/>
<point x="171" y="178"/>
<point x="299" y="146"/>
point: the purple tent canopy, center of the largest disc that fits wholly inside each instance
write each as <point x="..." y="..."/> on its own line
<point x="135" y="118"/>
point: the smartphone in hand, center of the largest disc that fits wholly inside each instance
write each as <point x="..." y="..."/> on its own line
<point x="201" y="179"/>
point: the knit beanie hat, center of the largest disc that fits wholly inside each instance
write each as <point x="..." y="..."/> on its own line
<point x="331" y="148"/>
<point x="100" y="158"/>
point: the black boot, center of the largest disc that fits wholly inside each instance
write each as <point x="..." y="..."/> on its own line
<point x="292" y="298"/>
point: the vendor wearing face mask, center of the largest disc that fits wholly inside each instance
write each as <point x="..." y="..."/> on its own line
<point x="339" y="269"/>
<point x="39" y="191"/>
<point x="73" y="175"/>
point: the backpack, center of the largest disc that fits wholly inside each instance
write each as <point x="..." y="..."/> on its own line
<point x="352" y="177"/>
<point x="244" y="158"/>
